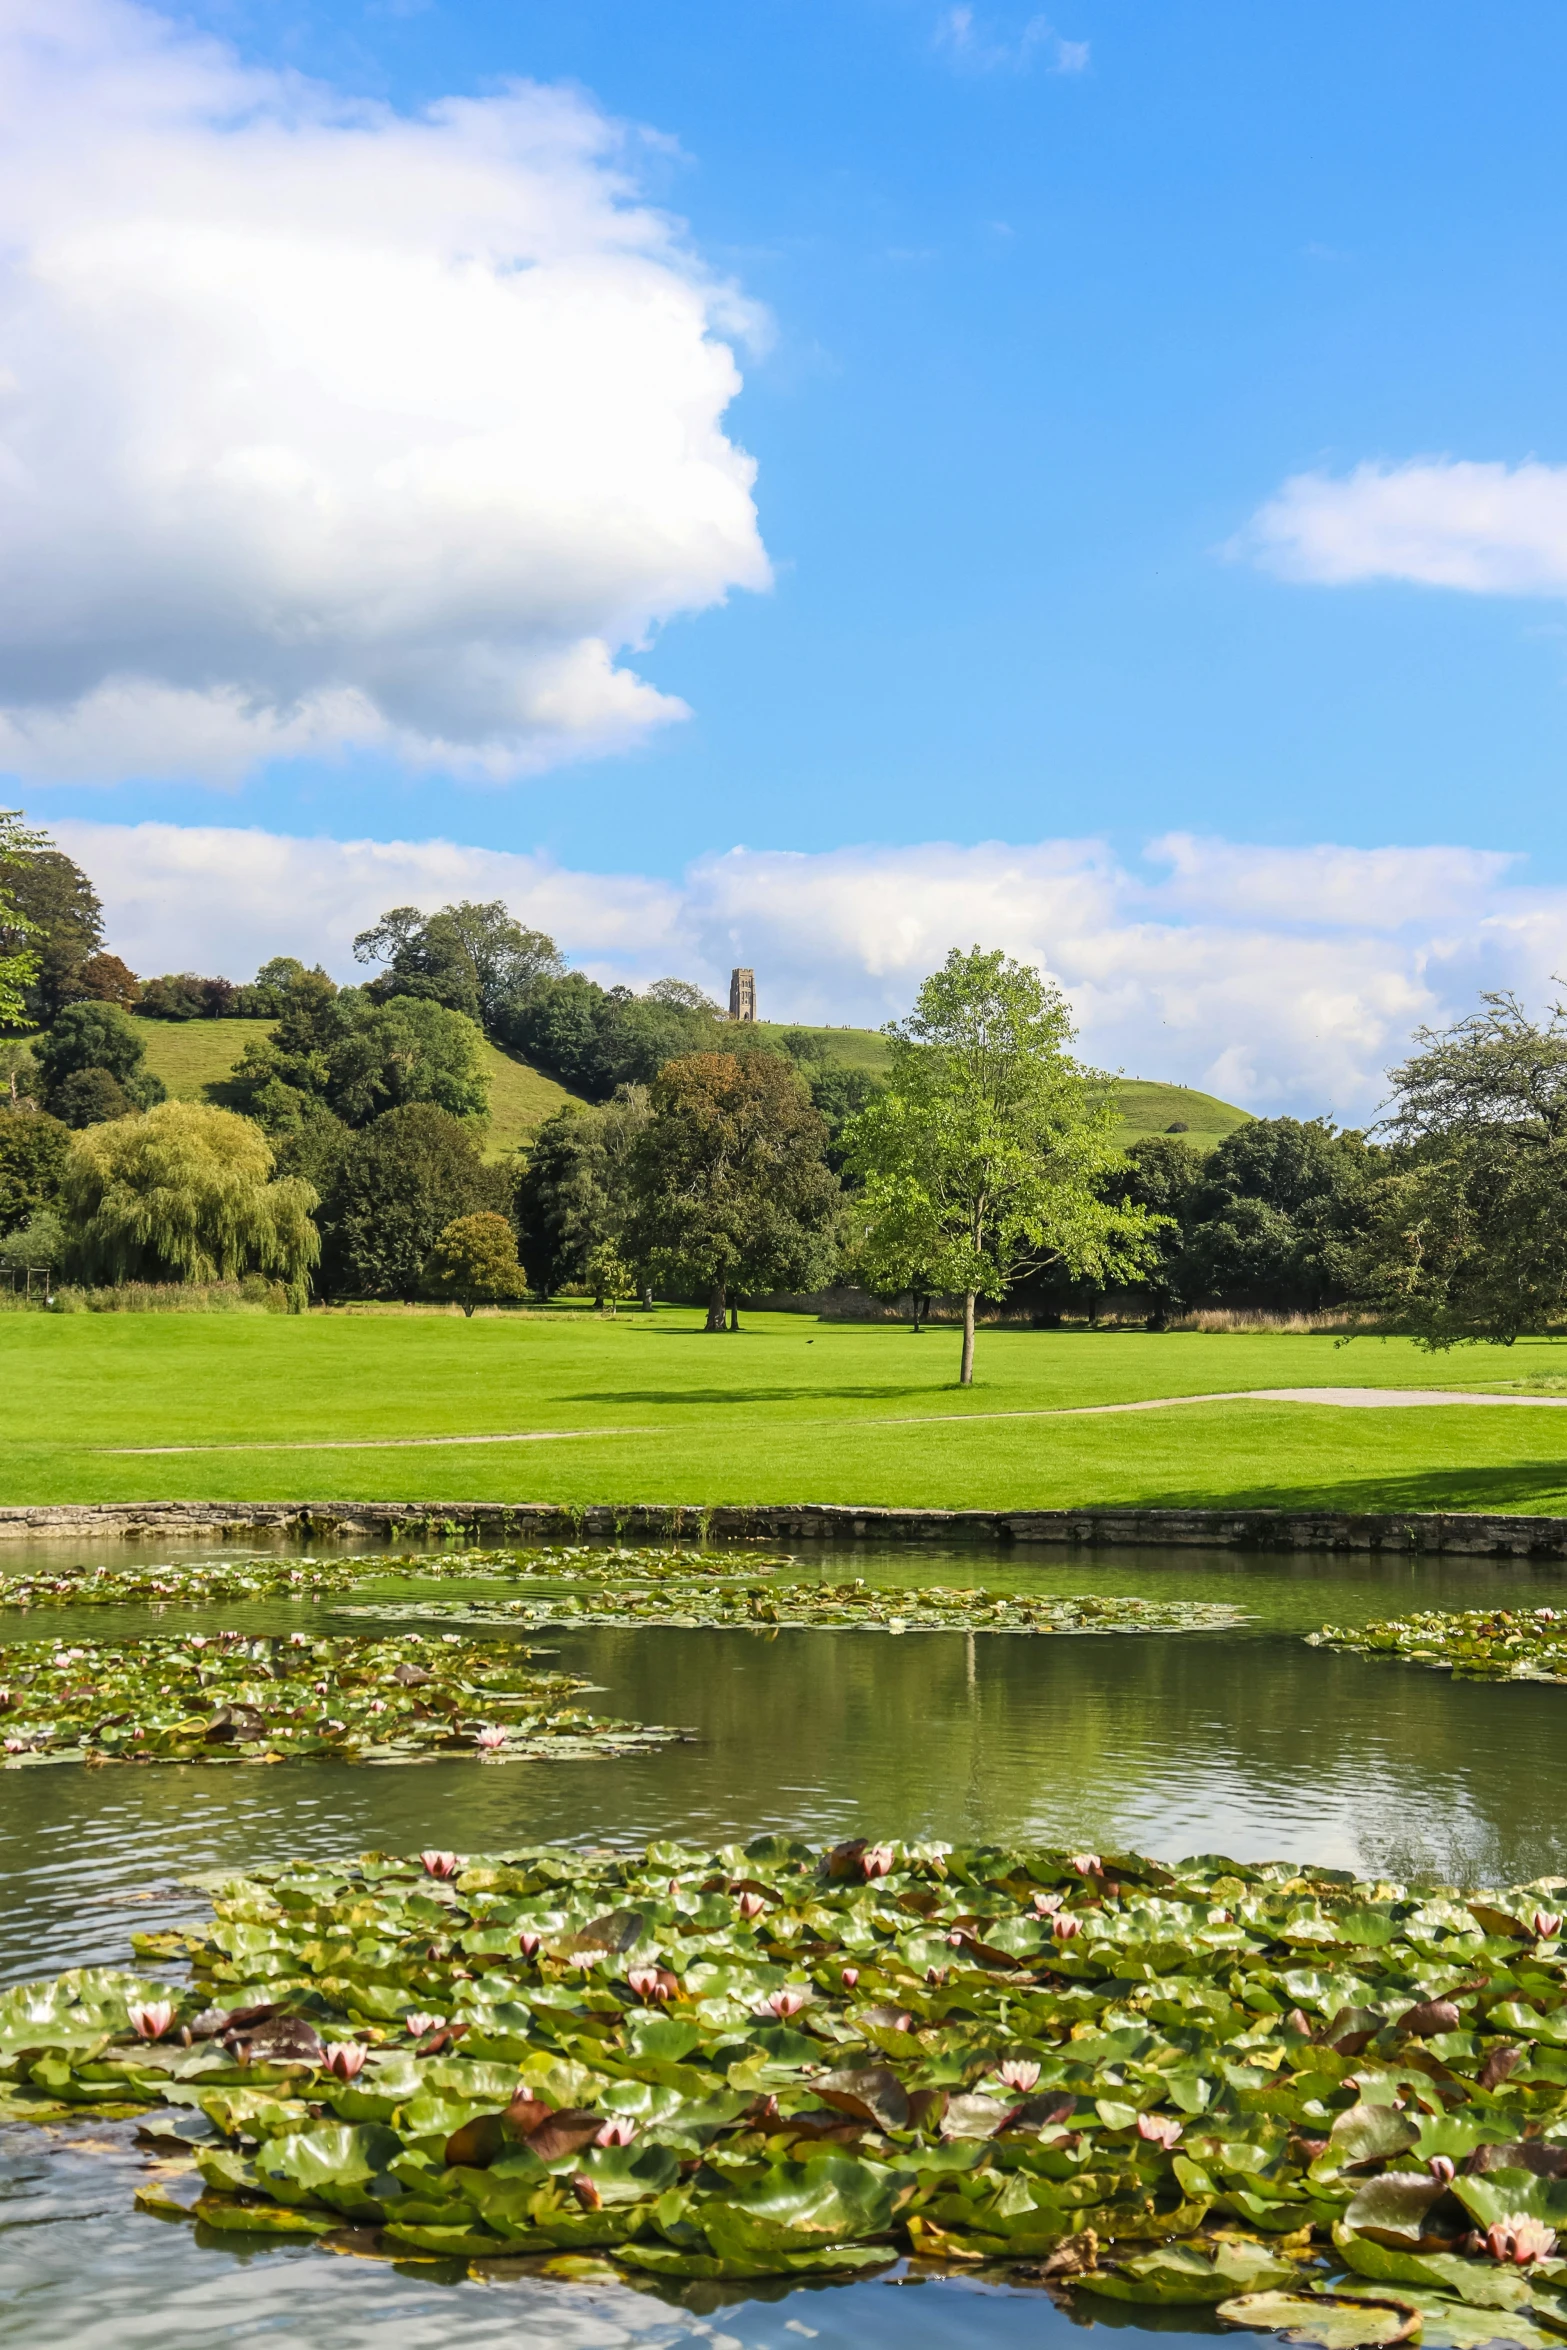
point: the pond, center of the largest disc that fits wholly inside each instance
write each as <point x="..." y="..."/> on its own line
<point x="1244" y="1741"/>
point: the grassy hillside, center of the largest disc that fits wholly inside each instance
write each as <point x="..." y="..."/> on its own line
<point x="194" y="1057"/>
<point x="1146" y="1106"/>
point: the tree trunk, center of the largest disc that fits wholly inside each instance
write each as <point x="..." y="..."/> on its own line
<point x="921" y="1309"/>
<point x="716" y="1303"/>
<point x="734" y="1314"/>
<point x="966" y="1367"/>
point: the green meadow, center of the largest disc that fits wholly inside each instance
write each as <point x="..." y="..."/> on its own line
<point x="408" y="1406"/>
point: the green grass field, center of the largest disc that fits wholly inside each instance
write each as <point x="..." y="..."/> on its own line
<point x="195" y="1057"/>
<point x="652" y="1409"/>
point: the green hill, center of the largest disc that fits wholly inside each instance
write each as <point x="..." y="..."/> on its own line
<point x="195" y="1057"/>
<point x="1147" y="1107"/>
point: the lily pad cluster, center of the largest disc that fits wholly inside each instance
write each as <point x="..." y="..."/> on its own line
<point x="1332" y="2107"/>
<point x="109" y="1583"/>
<point x="853" y="1606"/>
<point x="1478" y="1644"/>
<point x="228" y="1698"/>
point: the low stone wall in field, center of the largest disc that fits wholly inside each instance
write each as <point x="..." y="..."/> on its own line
<point x="1453" y="1532"/>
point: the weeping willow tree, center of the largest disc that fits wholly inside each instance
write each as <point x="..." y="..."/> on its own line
<point x="186" y="1194"/>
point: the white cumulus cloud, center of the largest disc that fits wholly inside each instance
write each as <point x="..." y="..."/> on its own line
<point x="1283" y="979"/>
<point x="324" y="425"/>
<point x="1492" y="529"/>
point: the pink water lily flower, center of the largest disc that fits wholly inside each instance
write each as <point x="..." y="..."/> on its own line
<point x="1160" y="2129"/>
<point x="1064" y="1926"/>
<point x="618" y="2132"/>
<point x="876" y="1861"/>
<point x="440" y="1864"/>
<point x="1087" y="1864"/>
<point x="298" y="1640"/>
<point x="378" y="1705"/>
<point x="1442" y="2169"/>
<point x="1047" y="1903"/>
<point x="1019" y="2072"/>
<point x="153" y="2020"/>
<point x="418" y="2023"/>
<point x="1520" y="2240"/>
<point x="16" y="1746"/>
<point x="937" y="1975"/>
<point x="750" y="1905"/>
<point x="490" y="1738"/>
<point x="5" y="1699"/>
<point x="346" y="2058"/>
<point x="1545" y="1923"/>
<point x="851" y="1975"/>
<point x="785" y="2003"/>
<point x="530" y="1944"/>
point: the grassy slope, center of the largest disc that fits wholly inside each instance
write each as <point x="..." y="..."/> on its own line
<point x="791" y="1409"/>
<point x="193" y="1057"/>
<point x="1147" y="1107"/>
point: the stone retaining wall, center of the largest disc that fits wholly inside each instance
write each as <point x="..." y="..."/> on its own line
<point x="1452" y="1532"/>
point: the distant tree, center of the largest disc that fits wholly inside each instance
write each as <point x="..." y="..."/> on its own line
<point x="1277" y="1216"/>
<point x="1468" y="1230"/>
<point x="278" y="986"/>
<point x="987" y="1154"/>
<point x="99" y="1037"/>
<point x="1164" y="1176"/>
<point x="683" y="995"/>
<point x="104" y="979"/>
<point x="573" y="1193"/>
<point x="340" y="1051"/>
<point x="21" y="937"/>
<point x="608" y="1274"/>
<point x="595" y="1039"/>
<point x="731" y="1194"/>
<point x="182" y="995"/>
<point x="185" y="1193"/>
<point x="474" y="1262"/>
<point x="398" y="1184"/>
<point x="63" y="922"/>
<point x="38" y="1245"/>
<point x="33" y="1152"/>
<point x="470" y="957"/>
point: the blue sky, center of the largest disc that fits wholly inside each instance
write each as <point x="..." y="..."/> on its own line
<point x="1054" y="308"/>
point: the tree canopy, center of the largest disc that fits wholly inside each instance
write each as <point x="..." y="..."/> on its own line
<point x="185" y="1193"/>
<point x="1468" y="1236"/>
<point x="595" y="1039"/>
<point x="989" y="1151"/>
<point x="474" y="1262"/>
<point x="472" y="958"/>
<point x="340" y="1051"/>
<point x="33" y="1151"/>
<point x="90" y="1065"/>
<point x="574" y="1193"/>
<point x="393" y="1189"/>
<point x="730" y="1192"/>
<point x="21" y="936"/>
<point x="49" y="910"/>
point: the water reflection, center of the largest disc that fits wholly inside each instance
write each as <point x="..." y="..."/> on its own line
<point x="1246" y="1742"/>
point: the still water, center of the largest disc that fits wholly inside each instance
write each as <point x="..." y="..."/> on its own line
<point x="1244" y="1741"/>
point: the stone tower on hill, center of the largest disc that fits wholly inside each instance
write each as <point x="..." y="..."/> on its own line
<point x="742" y="995"/>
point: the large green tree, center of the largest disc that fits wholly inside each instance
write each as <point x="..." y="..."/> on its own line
<point x="395" y="1187"/>
<point x="54" y="914"/>
<point x="33" y="1151"/>
<point x="21" y="937"/>
<point x="474" y="958"/>
<point x="90" y="1065"/>
<point x="987" y="1155"/>
<point x="731" y="1195"/>
<point x="1469" y="1231"/>
<point x="573" y="1194"/>
<point x="185" y="1193"/>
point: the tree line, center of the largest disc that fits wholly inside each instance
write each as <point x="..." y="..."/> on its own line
<point x="714" y="1163"/>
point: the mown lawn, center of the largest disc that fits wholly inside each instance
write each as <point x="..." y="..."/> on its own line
<point x="652" y="1409"/>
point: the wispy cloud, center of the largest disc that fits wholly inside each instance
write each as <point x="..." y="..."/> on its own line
<point x="1282" y="978"/>
<point x="1490" y="529"/>
<point x="976" y="44"/>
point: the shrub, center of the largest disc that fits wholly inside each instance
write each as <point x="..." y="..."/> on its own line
<point x="90" y="1097"/>
<point x="398" y="1183"/>
<point x="474" y="1262"/>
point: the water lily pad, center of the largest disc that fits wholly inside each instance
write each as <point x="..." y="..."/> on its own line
<point x="1335" y="2325"/>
